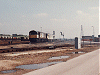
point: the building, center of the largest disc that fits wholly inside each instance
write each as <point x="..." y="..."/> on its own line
<point x="91" y="38"/>
<point x="87" y="38"/>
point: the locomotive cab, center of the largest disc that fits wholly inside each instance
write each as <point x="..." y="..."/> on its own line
<point x="33" y="36"/>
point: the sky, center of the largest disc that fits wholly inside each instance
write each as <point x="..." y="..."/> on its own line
<point x="99" y="17"/>
<point x="66" y="16"/>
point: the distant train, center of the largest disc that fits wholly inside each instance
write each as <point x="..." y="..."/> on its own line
<point x="37" y="36"/>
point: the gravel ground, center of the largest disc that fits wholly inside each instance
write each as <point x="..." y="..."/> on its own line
<point x="8" y="61"/>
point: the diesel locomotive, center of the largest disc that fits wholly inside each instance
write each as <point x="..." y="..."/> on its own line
<point x="37" y="36"/>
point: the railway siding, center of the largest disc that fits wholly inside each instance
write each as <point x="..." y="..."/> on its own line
<point x="33" y="48"/>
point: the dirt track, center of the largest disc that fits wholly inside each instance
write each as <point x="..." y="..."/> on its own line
<point x="9" y="61"/>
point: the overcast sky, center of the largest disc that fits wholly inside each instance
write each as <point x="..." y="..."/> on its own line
<point x="67" y="16"/>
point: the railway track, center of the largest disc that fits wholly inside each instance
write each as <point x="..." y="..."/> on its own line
<point x="32" y="48"/>
<point x="56" y="45"/>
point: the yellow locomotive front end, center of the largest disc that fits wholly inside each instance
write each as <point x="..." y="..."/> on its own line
<point x="33" y="36"/>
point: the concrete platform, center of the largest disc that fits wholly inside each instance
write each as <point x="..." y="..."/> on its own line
<point x="86" y="64"/>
